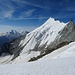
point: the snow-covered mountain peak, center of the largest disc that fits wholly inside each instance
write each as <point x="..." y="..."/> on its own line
<point x="52" y="22"/>
<point x="44" y="34"/>
<point x="12" y="32"/>
<point x="24" y="32"/>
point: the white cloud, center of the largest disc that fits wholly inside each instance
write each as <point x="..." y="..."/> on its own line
<point x="8" y="14"/>
<point x="34" y="3"/>
<point x="6" y="9"/>
<point x="28" y="18"/>
<point x="27" y="13"/>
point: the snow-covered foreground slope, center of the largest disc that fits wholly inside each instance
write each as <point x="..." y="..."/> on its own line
<point x="5" y="59"/>
<point x="50" y="67"/>
<point x="64" y="66"/>
<point x="59" y="62"/>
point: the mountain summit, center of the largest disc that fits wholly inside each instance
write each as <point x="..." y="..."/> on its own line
<point x="50" y="36"/>
<point x="39" y="39"/>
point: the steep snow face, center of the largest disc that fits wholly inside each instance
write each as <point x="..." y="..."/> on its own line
<point x="44" y="34"/>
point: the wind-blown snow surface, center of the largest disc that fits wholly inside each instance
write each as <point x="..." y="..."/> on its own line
<point x="45" y="65"/>
<point x="64" y="66"/>
<point x="44" y="34"/>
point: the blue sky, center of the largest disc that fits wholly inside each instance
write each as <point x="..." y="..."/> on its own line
<point x="30" y="14"/>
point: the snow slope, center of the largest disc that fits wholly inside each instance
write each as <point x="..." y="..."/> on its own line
<point x="69" y="52"/>
<point x="44" y="34"/>
<point x="63" y="52"/>
<point x="45" y="66"/>
<point x="50" y="67"/>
